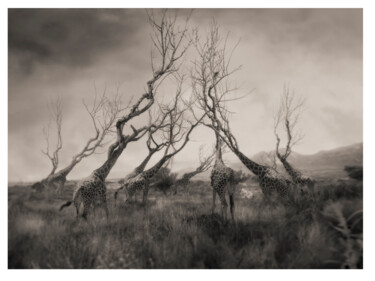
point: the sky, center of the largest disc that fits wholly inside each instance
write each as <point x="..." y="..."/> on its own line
<point x="67" y="53"/>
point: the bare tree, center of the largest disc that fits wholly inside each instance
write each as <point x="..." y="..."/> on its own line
<point x="205" y="163"/>
<point x="288" y="115"/>
<point x="211" y="85"/>
<point x="170" y="45"/>
<point x="103" y="113"/>
<point x="56" y="112"/>
<point x="175" y="131"/>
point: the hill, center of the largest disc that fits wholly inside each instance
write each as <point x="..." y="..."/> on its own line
<point x="325" y="163"/>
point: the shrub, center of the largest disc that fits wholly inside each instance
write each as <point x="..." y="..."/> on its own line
<point x="355" y="172"/>
<point x="164" y="180"/>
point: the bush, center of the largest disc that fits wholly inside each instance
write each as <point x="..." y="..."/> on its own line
<point x="355" y="172"/>
<point x="164" y="180"/>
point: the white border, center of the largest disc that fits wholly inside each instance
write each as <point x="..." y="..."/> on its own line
<point x="369" y="140"/>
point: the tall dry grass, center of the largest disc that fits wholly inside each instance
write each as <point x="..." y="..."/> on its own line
<point x="322" y="229"/>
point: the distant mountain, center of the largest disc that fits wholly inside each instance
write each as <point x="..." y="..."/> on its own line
<point x="326" y="163"/>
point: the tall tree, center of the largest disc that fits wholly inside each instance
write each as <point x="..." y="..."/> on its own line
<point x="211" y="75"/>
<point x="103" y="113"/>
<point x="170" y="44"/>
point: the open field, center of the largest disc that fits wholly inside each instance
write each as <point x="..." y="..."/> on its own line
<point x="320" y="230"/>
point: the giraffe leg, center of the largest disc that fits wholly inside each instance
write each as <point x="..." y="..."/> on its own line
<point x="145" y="201"/>
<point x="231" y="202"/>
<point x="224" y="205"/>
<point x="85" y="210"/>
<point x="145" y="194"/>
<point x="213" y="200"/>
<point x="93" y="209"/>
<point x="77" y="204"/>
<point x="105" y="207"/>
<point x="115" y="197"/>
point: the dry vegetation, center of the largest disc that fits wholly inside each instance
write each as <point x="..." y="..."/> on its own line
<point x="319" y="230"/>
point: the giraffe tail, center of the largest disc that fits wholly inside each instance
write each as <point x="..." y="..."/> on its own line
<point x="67" y="204"/>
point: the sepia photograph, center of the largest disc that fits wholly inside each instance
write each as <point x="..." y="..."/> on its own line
<point x="205" y="138"/>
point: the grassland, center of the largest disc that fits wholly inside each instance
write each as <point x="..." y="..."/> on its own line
<point x="322" y="229"/>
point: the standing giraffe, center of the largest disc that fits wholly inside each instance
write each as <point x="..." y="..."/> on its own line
<point x="269" y="180"/>
<point x="151" y="151"/>
<point x="205" y="164"/>
<point x="298" y="179"/>
<point x="134" y="173"/>
<point x="222" y="182"/>
<point x="92" y="191"/>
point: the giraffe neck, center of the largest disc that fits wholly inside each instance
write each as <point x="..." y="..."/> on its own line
<point x="190" y="175"/>
<point x="103" y="171"/>
<point x="218" y="154"/>
<point x="254" y="167"/>
<point x="64" y="172"/>
<point x="154" y="169"/>
<point x="294" y="174"/>
<point x="142" y="166"/>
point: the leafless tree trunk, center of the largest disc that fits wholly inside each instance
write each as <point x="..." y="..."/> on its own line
<point x="56" y="111"/>
<point x="103" y="113"/>
<point x="288" y="115"/>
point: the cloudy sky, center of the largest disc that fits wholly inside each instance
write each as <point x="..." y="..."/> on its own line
<point x="318" y="52"/>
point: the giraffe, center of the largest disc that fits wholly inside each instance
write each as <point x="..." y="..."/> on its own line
<point x="205" y="164"/>
<point x="298" y="179"/>
<point x="141" y="182"/>
<point x="184" y="180"/>
<point x="92" y="191"/>
<point x="56" y="180"/>
<point x="138" y="170"/>
<point x="269" y="180"/>
<point x="222" y="181"/>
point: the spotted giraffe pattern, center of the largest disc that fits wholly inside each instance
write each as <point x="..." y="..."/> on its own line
<point x="55" y="182"/>
<point x="142" y="180"/>
<point x="222" y="182"/>
<point x="184" y="180"/>
<point x="270" y="181"/>
<point x="298" y="179"/>
<point x="138" y="183"/>
<point x="92" y="192"/>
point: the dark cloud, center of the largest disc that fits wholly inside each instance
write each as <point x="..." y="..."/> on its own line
<point x="66" y="51"/>
<point x="72" y="37"/>
<point x="330" y="31"/>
